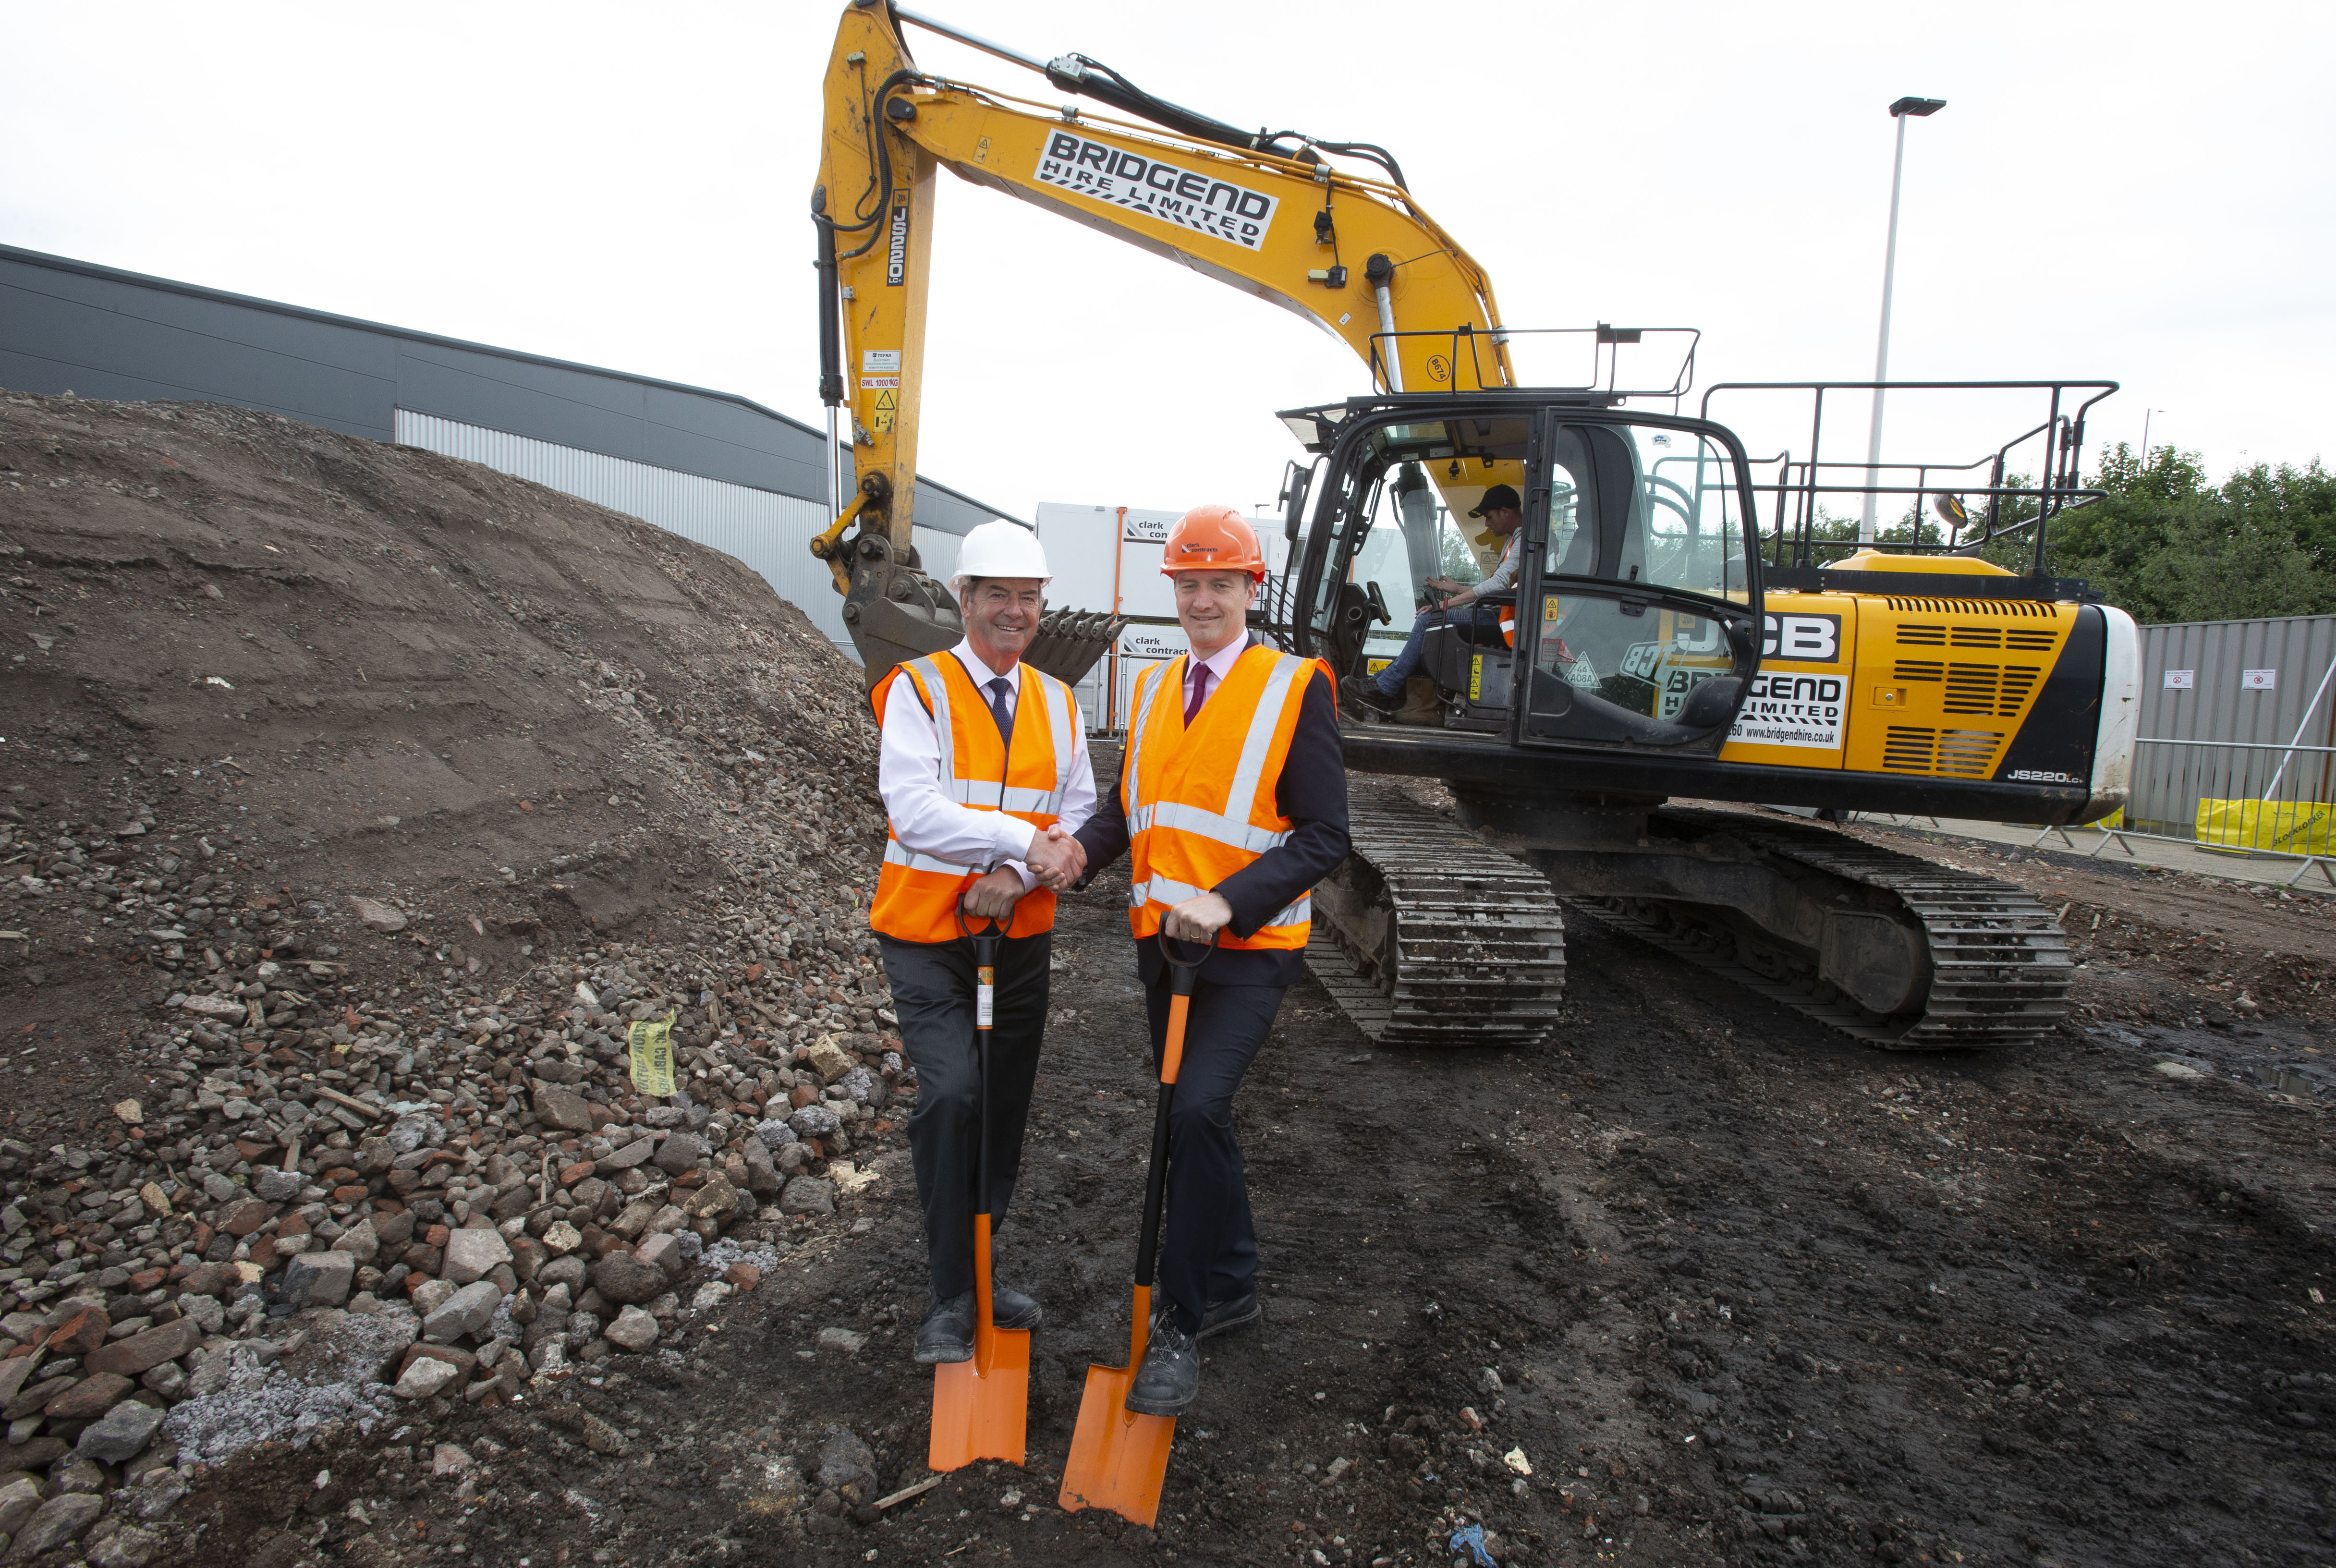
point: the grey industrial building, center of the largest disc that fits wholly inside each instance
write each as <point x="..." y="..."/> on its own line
<point x="717" y="468"/>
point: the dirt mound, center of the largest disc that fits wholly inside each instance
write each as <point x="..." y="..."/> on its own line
<point x="304" y="666"/>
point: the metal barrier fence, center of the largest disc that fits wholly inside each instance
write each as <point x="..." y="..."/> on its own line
<point x="2232" y="797"/>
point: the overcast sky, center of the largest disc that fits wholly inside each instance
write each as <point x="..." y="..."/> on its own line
<point x="2134" y="192"/>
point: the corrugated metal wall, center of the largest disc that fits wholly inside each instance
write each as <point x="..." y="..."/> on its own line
<point x="2242" y="687"/>
<point x="765" y="530"/>
<point x="769" y="532"/>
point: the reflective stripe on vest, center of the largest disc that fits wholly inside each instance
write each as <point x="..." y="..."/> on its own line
<point x="1184" y="847"/>
<point x="916" y="893"/>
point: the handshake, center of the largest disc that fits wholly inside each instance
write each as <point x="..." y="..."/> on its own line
<point x="1056" y="858"/>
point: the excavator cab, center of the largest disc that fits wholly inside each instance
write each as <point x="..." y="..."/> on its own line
<point x="1634" y="619"/>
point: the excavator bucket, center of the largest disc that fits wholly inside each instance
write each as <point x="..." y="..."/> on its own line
<point x="981" y="1407"/>
<point x="1119" y="1459"/>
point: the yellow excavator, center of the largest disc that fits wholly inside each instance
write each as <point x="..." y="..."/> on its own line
<point x="1660" y="645"/>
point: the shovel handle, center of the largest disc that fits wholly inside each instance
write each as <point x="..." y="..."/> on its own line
<point x="1182" y="977"/>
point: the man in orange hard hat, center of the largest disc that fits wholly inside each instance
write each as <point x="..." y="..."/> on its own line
<point x="1231" y="805"/>
<point x="983" y="768"/>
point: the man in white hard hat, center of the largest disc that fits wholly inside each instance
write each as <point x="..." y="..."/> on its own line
<point x="985" y="776"/>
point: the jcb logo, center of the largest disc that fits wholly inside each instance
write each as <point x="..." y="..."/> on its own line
<point x="1809" y="638"/>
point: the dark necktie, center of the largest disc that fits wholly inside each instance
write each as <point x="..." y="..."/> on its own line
<point x="1000" y="710"/>
<point x="1200" y="694"/>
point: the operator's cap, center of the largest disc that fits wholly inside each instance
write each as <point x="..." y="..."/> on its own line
<point x="1499" y="496"/>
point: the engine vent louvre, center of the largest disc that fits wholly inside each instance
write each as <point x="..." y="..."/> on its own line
<point x="1959" y="753"/>
<point x="1927" y="669"/>
<point x="1909" y="750"/>
<point x="2029" y="641"/>
<point x="1968" y="753"/>
<point x="1922" y="636"/>
<point x="1978" y="637"/>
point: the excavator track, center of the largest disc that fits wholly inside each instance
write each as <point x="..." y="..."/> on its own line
<point x="1429" y="936"/>
<point x="2000" y="961"/>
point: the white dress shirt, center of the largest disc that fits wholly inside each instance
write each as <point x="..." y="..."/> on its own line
<point x="1219" y="664"/>
<point x="926" y="821"/>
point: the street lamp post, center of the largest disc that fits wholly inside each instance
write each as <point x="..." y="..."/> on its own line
<point x="1918" y="108"/>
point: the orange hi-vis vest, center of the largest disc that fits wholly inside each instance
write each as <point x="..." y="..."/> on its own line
<point x="1200" y="802"/>
<point x="916" y="895"/>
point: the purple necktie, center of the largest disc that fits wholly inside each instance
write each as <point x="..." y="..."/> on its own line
<point x="1200" y="694"/>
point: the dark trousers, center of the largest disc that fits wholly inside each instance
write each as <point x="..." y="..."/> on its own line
<point x="933" y="994"/>
<point x="1211" y="1250"/>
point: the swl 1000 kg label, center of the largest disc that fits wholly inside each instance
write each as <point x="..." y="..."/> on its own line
<point x="1788" y="709"/>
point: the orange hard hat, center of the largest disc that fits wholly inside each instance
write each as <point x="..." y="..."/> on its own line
<point x="1213" y="538"/>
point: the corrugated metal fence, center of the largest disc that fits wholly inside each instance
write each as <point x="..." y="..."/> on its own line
<point x="2238" y="726"/>
<point x="766" y="530"/>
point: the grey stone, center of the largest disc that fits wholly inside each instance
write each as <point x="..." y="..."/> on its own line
<point x="561" y="1273"/>
<point x="634" y="1329"/>
<point x="664" y="1116"/>
<point x="665" y="1251"/>
<point x="277" y="1186"/>
<point x="624" y="1278"/>
<point x="426" y="1377"/>
<point x="763" y="1178"/>
<point x="219" y="1189"/>
<point x="207" y="1313"/>
<point x="843" y="1340"/>
<point x="320" y="1279"/>
<point x="131" y="1548"/>
<point x="60" y="1519"/>
<point x="847" y="1462"/>
<point x="408" y="1133"/>
<point x="473" y="1254"/>
<point x="360" y="1240"/>
<point x="18" y="1501"/>
<point x="121" y="1434"/>
<point x="379" y="916"/>
<point x="626" y="1158"/>
<point x="775" y="1134"/>
<point x="467" y="1312"/>
<point x="562" y="1107"/>
<point x="680" y="1151"/>
<point x="808" y="1195"/>
<point x="431" y="1294"/>
<point x="813" y="1121"/>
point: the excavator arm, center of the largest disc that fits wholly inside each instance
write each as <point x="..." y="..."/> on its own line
<point x="1273" y="217"/>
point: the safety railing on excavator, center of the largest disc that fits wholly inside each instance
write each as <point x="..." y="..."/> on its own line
<point x="1800" y="485"/>
<point x="1484" y="358"/>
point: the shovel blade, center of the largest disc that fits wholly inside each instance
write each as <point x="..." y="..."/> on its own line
<point x="981" y="1413"/>
<point x="1119" y="1460"/>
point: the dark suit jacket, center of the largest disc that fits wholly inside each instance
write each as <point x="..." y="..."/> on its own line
<point x="1313" y="793"/>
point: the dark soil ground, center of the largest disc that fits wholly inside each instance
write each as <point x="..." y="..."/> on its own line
<point x="1751" y="1294"/>
<point x="1732" y="1289"/>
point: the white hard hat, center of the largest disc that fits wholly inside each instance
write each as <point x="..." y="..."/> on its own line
<point x="1000" y="549"/>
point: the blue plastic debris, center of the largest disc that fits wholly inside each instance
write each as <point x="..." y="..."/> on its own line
<point x="1472" y="1539"/>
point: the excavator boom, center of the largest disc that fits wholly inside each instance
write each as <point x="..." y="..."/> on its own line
<point x="1354" y="253"/>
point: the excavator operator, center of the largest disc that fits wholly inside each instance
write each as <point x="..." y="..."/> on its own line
<point x="1231" y="805"/>
<point x="1486" y="624"/>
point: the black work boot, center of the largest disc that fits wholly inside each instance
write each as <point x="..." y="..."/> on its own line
<point x="1222" y="1317"/>
<point x="1170" y="1377"/>
<point x="1362" y="693"/>
<point x="1010" y="1309"/>
<point x="947" y="1332"/>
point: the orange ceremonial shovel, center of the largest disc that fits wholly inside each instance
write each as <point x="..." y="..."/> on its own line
<point x="981" y="1406"/>
<point x="1119" y="1459"/>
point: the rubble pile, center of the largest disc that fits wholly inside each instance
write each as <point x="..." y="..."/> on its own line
<point x="370" y="1146"/>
